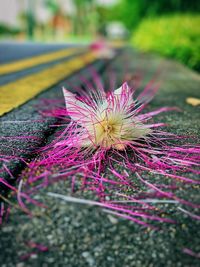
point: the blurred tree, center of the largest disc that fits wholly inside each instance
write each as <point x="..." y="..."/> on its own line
<point x="30" y="20"/>
<point x="52" y="5"/>
<point x="85" y="10"/>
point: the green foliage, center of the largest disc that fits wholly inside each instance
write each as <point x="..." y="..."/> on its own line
<point x="131" y="12"/>
<point x="175" y="36"/>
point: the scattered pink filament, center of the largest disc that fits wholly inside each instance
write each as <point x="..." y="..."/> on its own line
<point x="35" y="249"/>
<point x="111" y="147"/>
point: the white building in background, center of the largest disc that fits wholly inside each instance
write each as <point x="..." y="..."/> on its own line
<point x="11" y="9"/>
<point x="67" y="6"/>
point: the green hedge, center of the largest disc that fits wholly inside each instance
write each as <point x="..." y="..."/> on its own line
<point x="4" y="29"/>
<point x="175" y="36"/>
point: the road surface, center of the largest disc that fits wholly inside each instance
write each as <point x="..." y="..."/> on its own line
<point x="75" y="235"/>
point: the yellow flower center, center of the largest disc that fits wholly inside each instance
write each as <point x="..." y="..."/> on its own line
<point x="108" y="131"/>
<point x="107" y="127"/>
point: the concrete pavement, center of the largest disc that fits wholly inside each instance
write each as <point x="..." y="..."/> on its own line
<point x="76" y="235"/>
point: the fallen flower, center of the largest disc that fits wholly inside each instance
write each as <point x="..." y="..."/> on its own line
<point x="107" y="122"/>
<point x="112" y="148"/>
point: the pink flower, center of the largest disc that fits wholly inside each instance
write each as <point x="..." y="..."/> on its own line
<point x="106" y="130"/>
<point x="109" y="146"/>
<point x="105" y="120"/>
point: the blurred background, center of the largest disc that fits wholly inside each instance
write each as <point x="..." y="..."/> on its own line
<point x="168" y="27"/>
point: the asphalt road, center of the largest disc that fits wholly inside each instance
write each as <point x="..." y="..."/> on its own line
<point x="15" y="51"/>
<point x="75" y="235"/>
<point x="20" y="121"/>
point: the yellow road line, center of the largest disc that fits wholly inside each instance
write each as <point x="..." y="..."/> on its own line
<point x="36" y="60"/>
<point x="17" y="93"/>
